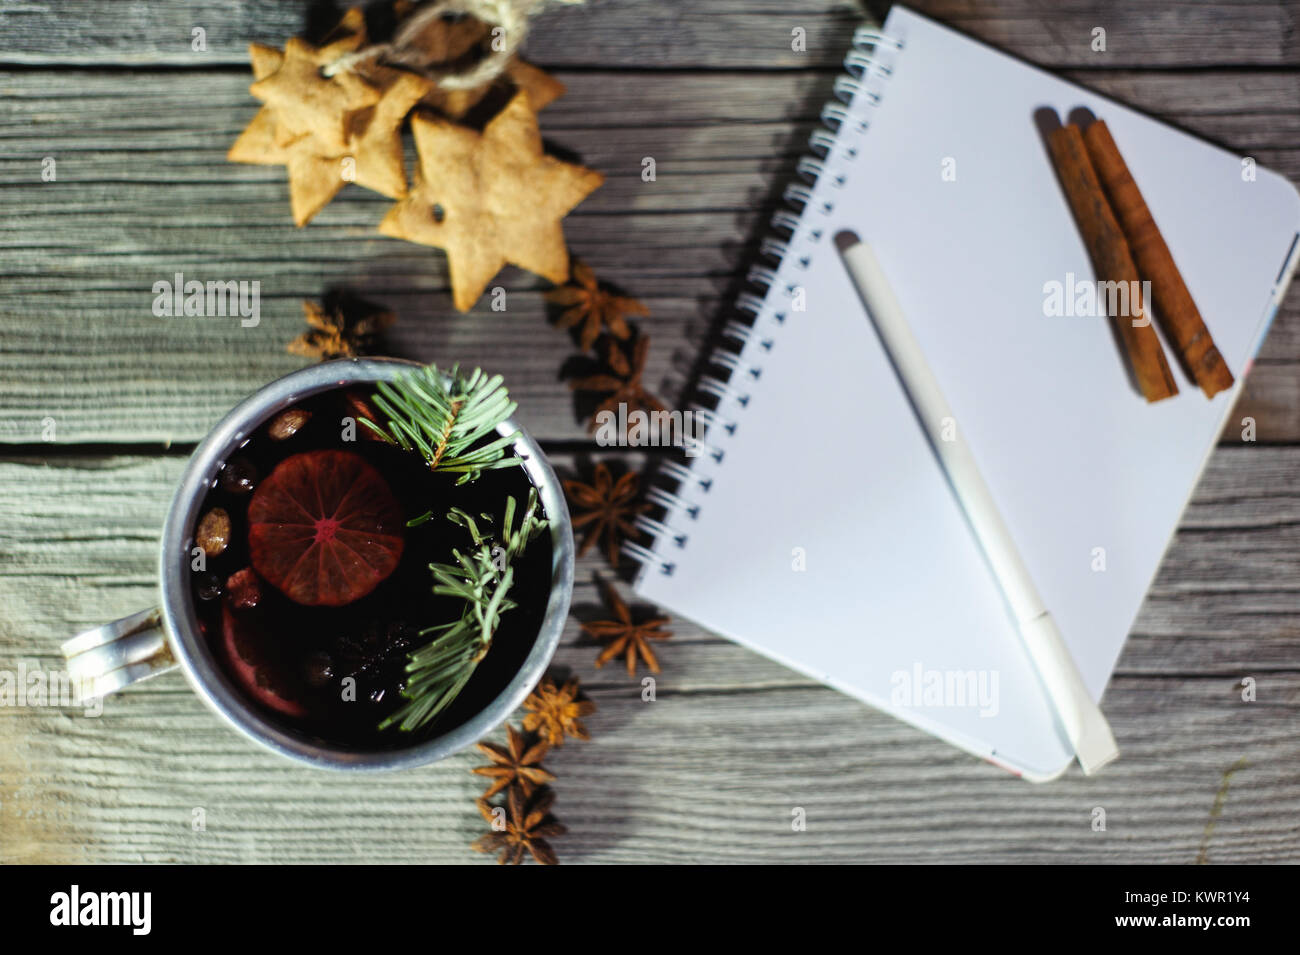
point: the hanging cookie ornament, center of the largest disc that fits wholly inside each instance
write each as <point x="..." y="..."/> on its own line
<point x="490" y="198"/>
<point x="505" y="20"/>
<point x="448" y="42"/>
<point x="333" y="113"/>
<point x="327" y="131"/>
<point x="307" y="103"/>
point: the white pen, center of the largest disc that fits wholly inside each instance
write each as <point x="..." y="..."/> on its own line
<point x="1080" y="717"/>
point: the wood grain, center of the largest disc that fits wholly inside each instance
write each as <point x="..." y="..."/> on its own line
<point x="712" y="769"/>
<point x="138" y="122"/>
<point x="736" y="34"/>
<point x="143" y="190"/>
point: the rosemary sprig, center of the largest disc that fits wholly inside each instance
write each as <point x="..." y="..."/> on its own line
<point x="439" y="670"/>
<point x="443" y="418"/>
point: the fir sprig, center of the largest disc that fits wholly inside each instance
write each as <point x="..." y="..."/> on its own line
<point x="439" y="670"/>
<point x="443" y="418"/>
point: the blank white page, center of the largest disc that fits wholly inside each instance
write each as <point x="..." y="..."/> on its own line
<point x="828" y="461"/>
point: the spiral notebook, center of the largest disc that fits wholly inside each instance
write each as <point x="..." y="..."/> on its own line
<point x="818" y="528"/>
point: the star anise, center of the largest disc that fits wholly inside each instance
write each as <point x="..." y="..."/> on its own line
<point x="556" y="713"/>
<point x="607" y="507"/>
<point x="339" y="330"/>
<point x="594" y="307"/>
<point x="623" y="382"/>
<point x="528" y="826"/>
<point x="626" y="636"/>
<point x="516" y="765"/>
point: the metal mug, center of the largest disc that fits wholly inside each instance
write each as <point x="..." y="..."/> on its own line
<point x="150" y="642"/>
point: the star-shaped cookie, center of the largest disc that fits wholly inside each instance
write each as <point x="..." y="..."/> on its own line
<point x="307" y="102"/>
<point x="541" y="88"/>
<point x="376" y="140"/>
<point x="372" y="155"/>
<point x="257" y="143"/>
<point x="451" y="46"/>
<point x="489" y="199"/>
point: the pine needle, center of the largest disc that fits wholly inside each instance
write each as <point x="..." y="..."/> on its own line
<point x="440" y="669"/>
<point x="444" y="418"/>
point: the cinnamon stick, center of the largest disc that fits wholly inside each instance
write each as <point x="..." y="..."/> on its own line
<point x="1111" y="259"/>
<point x="1175" y="308"/>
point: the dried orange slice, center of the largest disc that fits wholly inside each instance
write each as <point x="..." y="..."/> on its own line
<point x="324" y="528"/>
<point x="245" y="643"/>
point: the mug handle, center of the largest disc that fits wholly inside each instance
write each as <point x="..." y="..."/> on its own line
<point x="105" y="659"/>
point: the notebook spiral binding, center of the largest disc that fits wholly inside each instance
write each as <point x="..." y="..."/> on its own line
<point x="790" y="247"/>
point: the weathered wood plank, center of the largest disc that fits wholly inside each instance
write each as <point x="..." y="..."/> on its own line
<point x="71" y="516"/>
<point x="124" y="376"/>
<point x="190" y="118"/>
<point x="733" y="742"/>
<point x="748" y="34"/>
<point x="710" y="777"/>
<point x="132" y="378"/>
<point x="81" y="254"/>
<point x="708" y="772"/>
<point x="166" y="105"/>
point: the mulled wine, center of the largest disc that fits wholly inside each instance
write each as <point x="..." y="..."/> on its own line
<point x="311" y="572"/>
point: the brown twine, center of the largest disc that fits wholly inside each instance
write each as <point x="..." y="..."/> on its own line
<point x="510" y="15"/>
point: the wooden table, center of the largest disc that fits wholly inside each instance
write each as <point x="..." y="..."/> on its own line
<point x="138" y="122"/>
